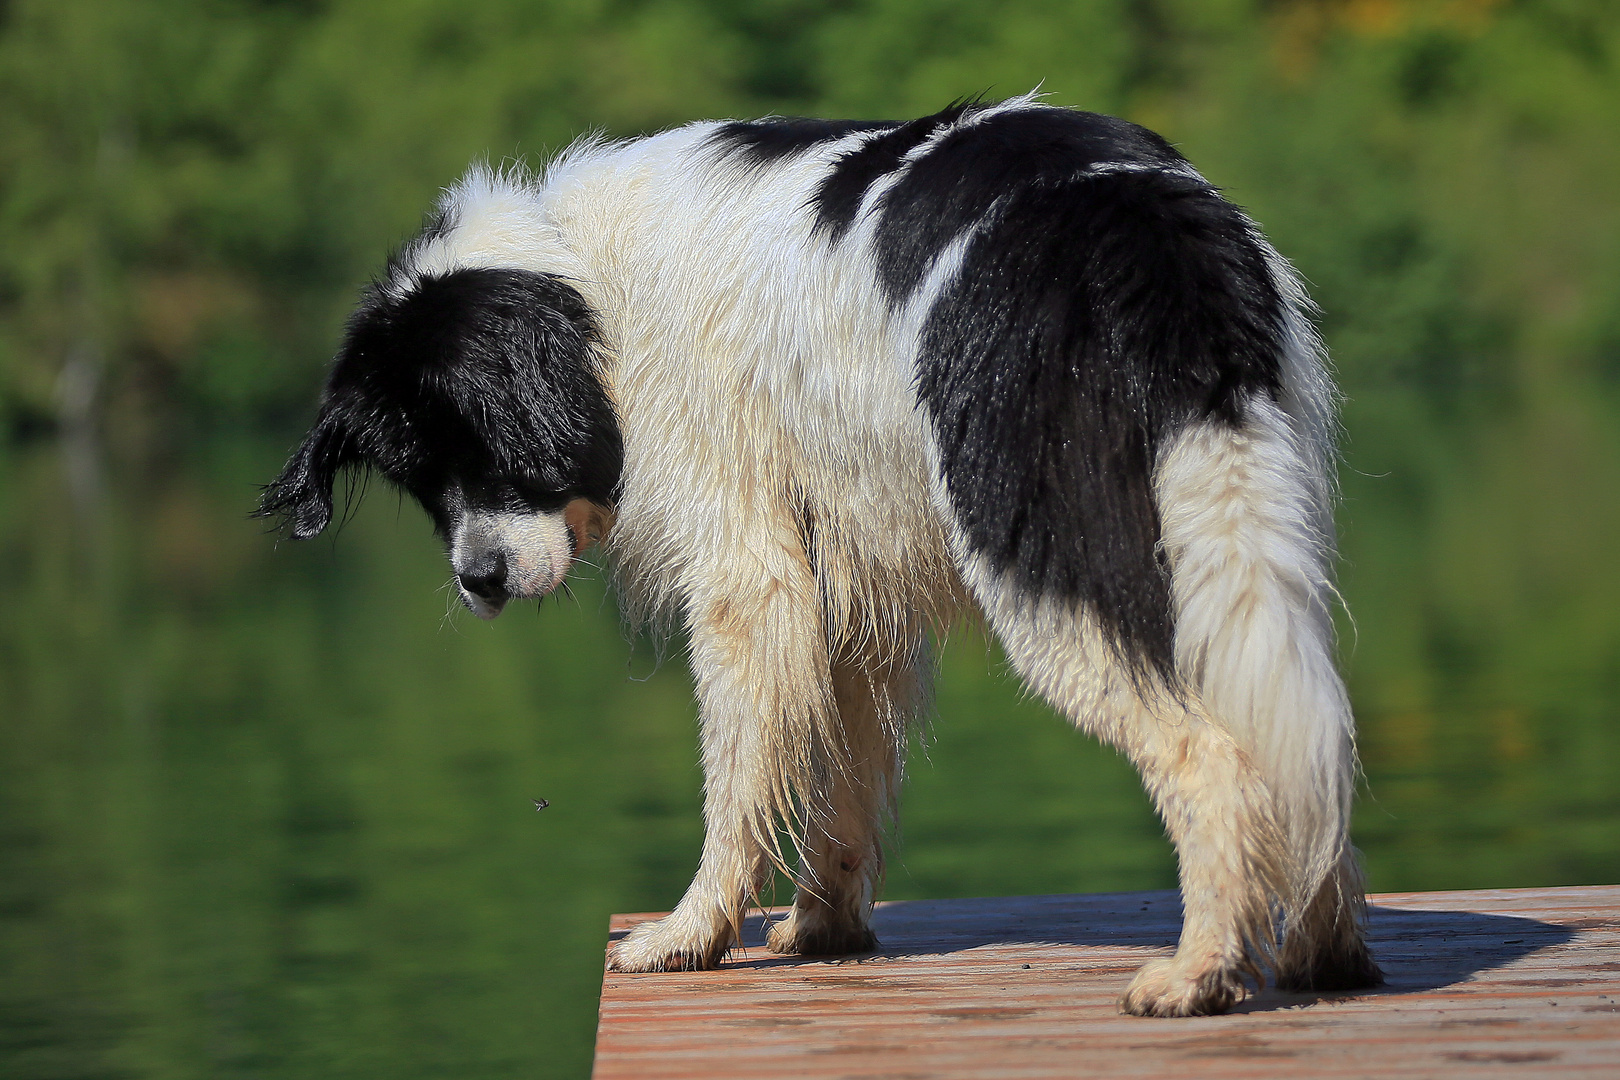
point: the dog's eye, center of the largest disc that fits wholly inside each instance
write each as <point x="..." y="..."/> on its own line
<point x="531" y="497"/>
<point x="511" y="497"/>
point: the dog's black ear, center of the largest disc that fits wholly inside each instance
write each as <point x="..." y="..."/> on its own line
<point x="300" y="499"/>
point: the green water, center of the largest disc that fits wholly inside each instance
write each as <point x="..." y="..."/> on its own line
<point x="265" y="811"/>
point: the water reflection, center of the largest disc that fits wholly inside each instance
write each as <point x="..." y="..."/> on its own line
<point x="267" y="811"/>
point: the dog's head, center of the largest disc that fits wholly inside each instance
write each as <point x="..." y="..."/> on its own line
<point x="478" y="391"/>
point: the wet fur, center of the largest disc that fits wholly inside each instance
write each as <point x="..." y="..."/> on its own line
<point x="831" y="385"/>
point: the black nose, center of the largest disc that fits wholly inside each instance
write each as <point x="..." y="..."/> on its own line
<point x="487" y="580"/>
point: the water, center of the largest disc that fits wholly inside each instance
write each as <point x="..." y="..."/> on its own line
<point x="266" y="810"/>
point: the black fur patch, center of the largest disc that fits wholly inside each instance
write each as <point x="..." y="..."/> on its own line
<point x="757" y="143"/>
<point x="952" y="187"/>
<point x="1090" y="320"/>
<point x="839" y="197"/>
<point x="482" y="378"/>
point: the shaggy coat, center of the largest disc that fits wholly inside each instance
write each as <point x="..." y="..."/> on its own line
<point x="830" y="384"/>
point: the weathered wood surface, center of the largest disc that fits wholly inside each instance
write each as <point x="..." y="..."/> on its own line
<point x="1522" y="982"/>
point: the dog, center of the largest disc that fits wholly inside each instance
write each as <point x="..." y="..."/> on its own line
<point x="821" y="387"/>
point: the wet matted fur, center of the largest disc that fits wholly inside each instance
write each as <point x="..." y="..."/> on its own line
<point x="820" y="386"/>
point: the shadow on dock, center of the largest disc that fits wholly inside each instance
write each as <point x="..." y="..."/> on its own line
<point x="1501" y="982"/>
<point x="1418" y="949"/>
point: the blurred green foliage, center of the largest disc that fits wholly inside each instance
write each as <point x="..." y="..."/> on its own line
<point x="192" y="190"/>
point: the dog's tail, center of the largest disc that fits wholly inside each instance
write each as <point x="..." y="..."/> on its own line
<point x="1246" y="525"/>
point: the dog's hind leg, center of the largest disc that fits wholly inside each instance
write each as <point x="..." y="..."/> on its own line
<point x="1245" y="529"/>
<point x="1324" y="948"/>
<point x="841" y="864"/>
<point x="770" y="740"/>
<point x="1213" y="802"/>
<point x="1133" y="426"/>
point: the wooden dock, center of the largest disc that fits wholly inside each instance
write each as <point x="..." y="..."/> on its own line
<point x="1511" y="983"/>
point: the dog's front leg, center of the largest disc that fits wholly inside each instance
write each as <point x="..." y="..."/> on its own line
<point x="704" y="925"/>
<point x="769" y="727"/>
<point x="841" y="863"/>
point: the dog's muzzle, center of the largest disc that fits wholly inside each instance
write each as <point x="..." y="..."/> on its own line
<point x="501" y="556"/>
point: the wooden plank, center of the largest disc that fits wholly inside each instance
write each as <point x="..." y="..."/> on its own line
<point x="1495" y="983"/>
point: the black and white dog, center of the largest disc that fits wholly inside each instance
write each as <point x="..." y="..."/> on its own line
<point x="830" y="384"/>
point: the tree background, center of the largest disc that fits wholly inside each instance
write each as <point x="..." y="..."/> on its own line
<point x="192" y="190"/>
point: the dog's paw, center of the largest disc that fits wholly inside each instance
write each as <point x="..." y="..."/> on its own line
<point x="801" y="936"/>
<point x="1164" y="988"/>
<point x="657" y="946"/>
